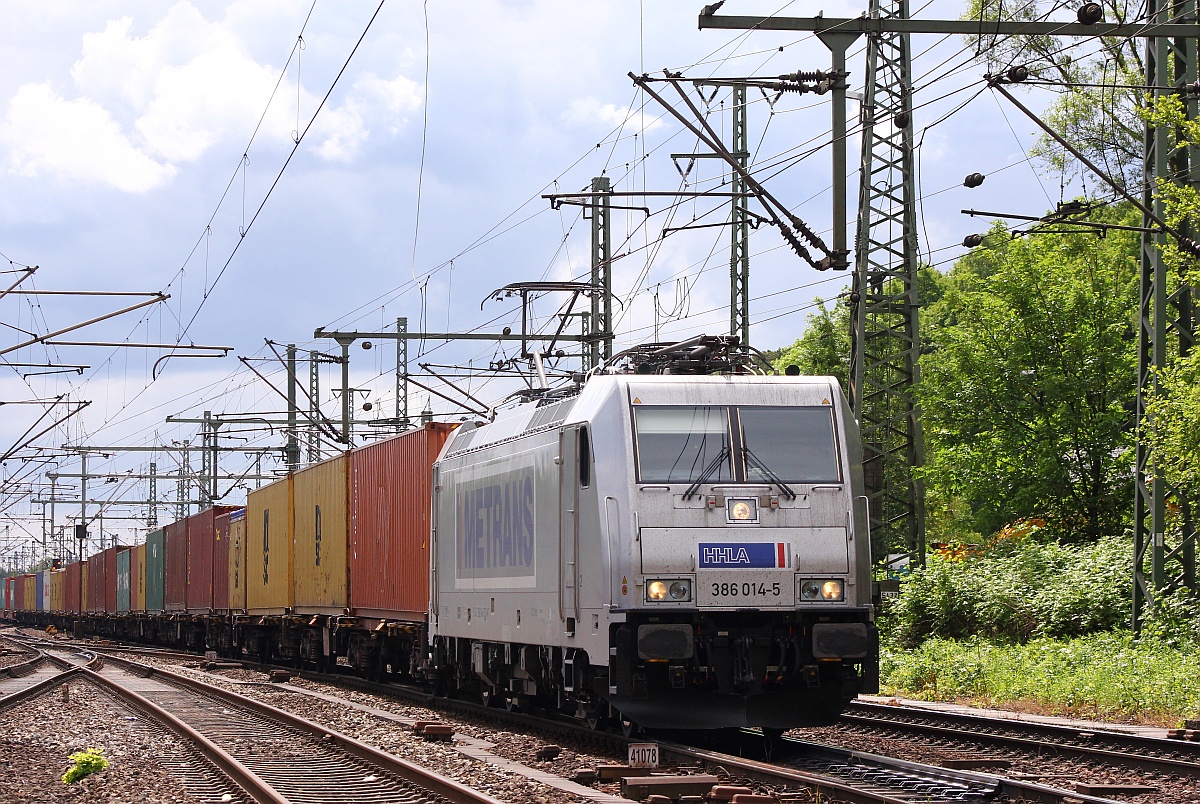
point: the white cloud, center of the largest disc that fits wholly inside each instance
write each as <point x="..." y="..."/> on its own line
<point x="591" y="112"/>
<point x="214" y="95"/>
<point x="372" y="99"/>
<point x="74" y="140"/>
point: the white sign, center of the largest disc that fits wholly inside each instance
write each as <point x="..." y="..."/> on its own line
<point x="210" y="656"/>
<point x="643" y="755"/>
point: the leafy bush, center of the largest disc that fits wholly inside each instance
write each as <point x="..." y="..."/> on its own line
<point x="1109" y="675"/>
<point x="1014" y="592"/>
<point x="86" y="763"/>
<point x="1174" y="621"/>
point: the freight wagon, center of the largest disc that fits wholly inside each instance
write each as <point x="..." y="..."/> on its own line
<point x="661" y="546"/>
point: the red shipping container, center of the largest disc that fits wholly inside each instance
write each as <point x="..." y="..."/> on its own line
<point x="8" y="594"/>
<point x="389" y="529"/>
<point x="175" y="591"/>
<point x="220" y="563"/>
<point x="110" y="579"/>
<point x="71" y="587"/>
<point x="201" y="542"/>
<point x="18" y="593"/>
<point x="94" y="588"/>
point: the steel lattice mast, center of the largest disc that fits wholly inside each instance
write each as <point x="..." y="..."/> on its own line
<point x="739" y="253"/>
<point x="1164" y="530"/>
<point x="885" y="340"/>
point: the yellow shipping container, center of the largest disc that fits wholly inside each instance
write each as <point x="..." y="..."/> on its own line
<point x="55" y="579"/>
<point x="137" y="563"/>
<point x="321" y="531"/>
<point x="268" y="565"/>
<point x="237" y="560"/>
<point x="31" y="601"/>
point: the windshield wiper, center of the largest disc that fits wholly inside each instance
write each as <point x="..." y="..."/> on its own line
<point x="707" y="473"/>
<point x="751" y="458"/>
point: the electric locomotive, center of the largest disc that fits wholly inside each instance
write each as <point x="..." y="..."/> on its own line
<point x="677" y="543"/>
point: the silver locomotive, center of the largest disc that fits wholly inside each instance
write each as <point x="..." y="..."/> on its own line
<point x="675" y="550"/>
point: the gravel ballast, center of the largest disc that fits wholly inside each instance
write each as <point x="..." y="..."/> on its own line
<point x="38" y="736"/>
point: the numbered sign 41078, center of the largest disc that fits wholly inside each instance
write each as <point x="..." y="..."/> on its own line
<point x="643" y="755"/>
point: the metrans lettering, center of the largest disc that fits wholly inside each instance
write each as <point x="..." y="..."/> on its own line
<point x="747" y="555"/>
<point x="496" y="528"/>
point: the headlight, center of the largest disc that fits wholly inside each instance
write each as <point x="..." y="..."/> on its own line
<point x="741" y="509"/>
<point x="817" y="589"/>
<point x="675" y="590"/>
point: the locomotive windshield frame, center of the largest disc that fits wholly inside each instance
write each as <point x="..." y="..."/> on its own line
<point x="736" y="443"/>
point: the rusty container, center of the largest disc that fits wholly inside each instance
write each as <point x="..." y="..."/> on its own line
<point x="18" y="593"/>
<point x="93" y="587"/>
<point x="175" y="589"/>
<point x="8" y="593"/>
<point x="220" y="562"/>
<point x="137" y="578"/>
<point x="321" y="531"/>
<point x="269" y="548"/>
<point x="201" y="547"/>
<point x="71" y="582"/>
<point x="156" y="569"/>
<point x="389" y="525"/>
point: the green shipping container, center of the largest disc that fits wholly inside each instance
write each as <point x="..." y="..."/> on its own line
<point x="123" y="580"/>
<point x="156" y="570"/>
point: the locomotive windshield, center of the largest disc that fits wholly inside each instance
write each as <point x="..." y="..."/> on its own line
<point x="678" y="444"/>
<point x="797" y="445"/>
<point x="748" y="444"/>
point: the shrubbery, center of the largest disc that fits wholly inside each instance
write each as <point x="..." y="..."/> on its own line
<point x="1109" y="675"/>
<point x="1015" y="592"/>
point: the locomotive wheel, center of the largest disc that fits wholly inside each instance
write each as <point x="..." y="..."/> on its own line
<point x="487" y="695"/>
<point x="628" y="727"/>
<point x="512" y="703"/>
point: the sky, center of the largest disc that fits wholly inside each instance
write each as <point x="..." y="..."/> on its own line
<point x="275" y="166"/>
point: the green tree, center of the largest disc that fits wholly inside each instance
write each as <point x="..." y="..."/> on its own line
<point x="1028" y="381"/>
<point x="1098" y="103"/>
<point x="824" y="348"/>
<point x="1174" y="411"/>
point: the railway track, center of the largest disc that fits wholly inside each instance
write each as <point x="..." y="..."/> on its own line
<point x="1111" y="748"/>
<point x="43" y="669"/>
<point x="829" y="773"/>
<point x="270" y="755"/>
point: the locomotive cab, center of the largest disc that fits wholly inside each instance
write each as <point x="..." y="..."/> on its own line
<point x="748" y="596"/>
<point x="675" y="550"/>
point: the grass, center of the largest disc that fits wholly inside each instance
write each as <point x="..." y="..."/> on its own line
<point x="1105" y="676"/>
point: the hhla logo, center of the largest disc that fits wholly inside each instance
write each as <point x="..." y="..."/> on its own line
<point x="744" y="555"/>
<point x="725" y="555"/>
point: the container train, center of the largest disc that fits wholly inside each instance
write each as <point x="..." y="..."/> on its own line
<point x="664" y="546"/>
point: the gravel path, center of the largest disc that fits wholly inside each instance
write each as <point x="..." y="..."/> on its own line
<point x="11" y="654"/>
<point x="37" y="736"/>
